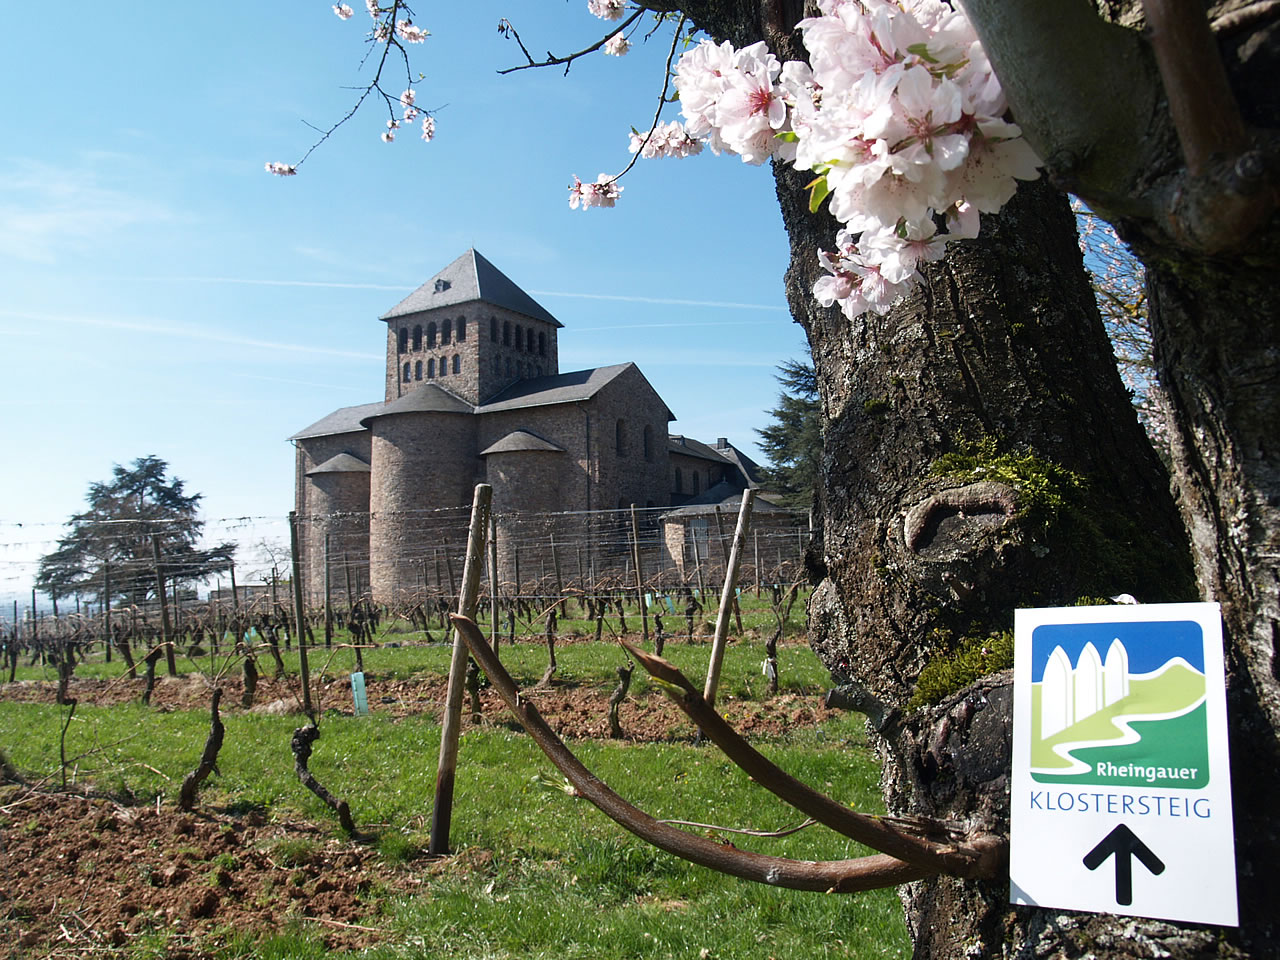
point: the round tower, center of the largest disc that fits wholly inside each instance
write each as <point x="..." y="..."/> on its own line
<point x="337" y="511"/>
<point x="525" y="472"/>
<point x="423" y="470"/>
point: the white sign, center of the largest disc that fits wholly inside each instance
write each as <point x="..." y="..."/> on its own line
<point x="1121" y="790"/>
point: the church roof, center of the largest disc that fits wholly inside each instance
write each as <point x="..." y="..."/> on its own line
<point x="428" y="398"/>
<point x="518" y="441"/>
<point x="725" y="496"/>
<point x="470" y="278"/>
<point x="342" y="463"/>
<point x="560" y="388"/>
<point x="342" y="420"/>
<point x="694" y="448"/>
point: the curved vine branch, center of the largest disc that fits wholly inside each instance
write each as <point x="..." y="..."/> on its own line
<point x="834" y="876"/>
<point x="981" y="856"/>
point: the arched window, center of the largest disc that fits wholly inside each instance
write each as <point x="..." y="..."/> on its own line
<point x="497" y="366"/>
<point x="431" y="334"/>
<point x="519" y="337"/>
<point x="417" y="338"/>
<point x="462" y="329"/>
<point x="697" y="483"/>
<point x="417" y="370"/>
<point x="431" y="369"/>
<point x="446" y="328"/>
<point x="620" y="438"/>
<point x="542" y="344"/>
<point x="403" y="343"/>
<point x="444" y="366"/>
<point x="493" y="330"/>
<point x="457" y="363"/>
<point x="506" y="333"/>
<point x="648" y="442"/>
<point x="679" y="480"/>
<point x="406" y="371"/>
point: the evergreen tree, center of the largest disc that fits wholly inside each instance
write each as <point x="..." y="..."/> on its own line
<point x="793" y="441"/>
<point x="140" y="503"/>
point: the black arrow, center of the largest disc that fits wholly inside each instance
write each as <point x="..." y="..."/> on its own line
<point x="1125" y="844"/>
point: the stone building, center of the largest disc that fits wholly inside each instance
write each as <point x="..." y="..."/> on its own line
<point x="474" y="393"/>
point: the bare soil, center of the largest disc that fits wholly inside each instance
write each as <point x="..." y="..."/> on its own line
<point x="89" y="877"/>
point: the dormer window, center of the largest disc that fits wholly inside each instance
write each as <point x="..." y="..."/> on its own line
<point x="442" y="285"/>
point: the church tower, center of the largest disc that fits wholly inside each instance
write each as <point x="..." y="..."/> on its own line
<point x="469" y="330"/>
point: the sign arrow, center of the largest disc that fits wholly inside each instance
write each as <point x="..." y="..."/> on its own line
<point x="1125" y="844"/>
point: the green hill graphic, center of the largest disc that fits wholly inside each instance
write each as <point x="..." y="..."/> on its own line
<point x="1155" y="736"/>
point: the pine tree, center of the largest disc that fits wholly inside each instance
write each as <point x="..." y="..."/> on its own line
<point x="140" y="503"/>
<point x="793" y="441"/>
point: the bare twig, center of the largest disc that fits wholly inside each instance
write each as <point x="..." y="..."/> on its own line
<point x="507" y="30"/>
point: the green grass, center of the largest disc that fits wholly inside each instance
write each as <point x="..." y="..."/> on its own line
<point x="564" y="881"/>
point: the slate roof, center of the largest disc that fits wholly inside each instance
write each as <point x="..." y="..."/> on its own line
<point x="725" y="496"/>
<point x="694" y="448"/>
<point x="342" y="420"/>
<point x="561" y="388"/>
<point x="342" y="463"/>
<point x="518" y="441"/>
<point x="470" y="278"/>
<point x="428" y="398"/>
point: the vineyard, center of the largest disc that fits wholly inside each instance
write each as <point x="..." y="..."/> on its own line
<point x="127" y="832"/>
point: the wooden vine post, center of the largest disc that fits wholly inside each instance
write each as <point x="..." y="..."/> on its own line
<point x="166" y="636"/>
<point x="493" y="583"/>
<point x="442" y="811"/>
<point x="635" y="553"/>
<point x="726" y="598"/>
<point x="298" y="616"/>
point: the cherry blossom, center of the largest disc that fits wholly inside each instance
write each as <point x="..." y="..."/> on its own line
<point x="281" y="169"/>
<point x="343" y="11"/>
<point x="899" y="115"/>
<point x="603" y="193"/>
<point x="407" y="32"/>
<point x="428" y="128"/>
<point x="665" y="140"/>
<point x="607" y="9"/>
<point x="617" y="45"/>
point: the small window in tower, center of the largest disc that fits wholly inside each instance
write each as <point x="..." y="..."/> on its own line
<point x="697" y="483"/>
<point x="431" y="369"/>
<point x="462" y="329"/>
<point x="403" y="343"/>
<point x="679" y="480"/>
<point x="445" y="329"/>
<point x="519" y="337"/>
<point x="542" y="344"/>
<point x="493" y="330"/>
<point x="417" y="370"/>
<point x="444" y="366"/>
<point x="406" y="372"/>
<point x="457" y="363"/>
<point x="431" y="334"/>
<point x="506" y="333"/>
<point x="648" y="442"/>
<point x="417" y="338"/>
<point x="620" y="438"/>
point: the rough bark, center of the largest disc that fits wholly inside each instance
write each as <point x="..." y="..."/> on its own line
<point x="1003" y="341"/>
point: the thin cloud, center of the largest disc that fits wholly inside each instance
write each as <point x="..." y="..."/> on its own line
<point x="333" y="284"/>
<point x="185" y="333"/>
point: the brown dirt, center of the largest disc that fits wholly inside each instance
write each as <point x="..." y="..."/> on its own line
<point x="82" y="877"/>
<point x="88" y="877"/>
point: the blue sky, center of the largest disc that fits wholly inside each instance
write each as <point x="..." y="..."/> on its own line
<point x="163" y="295"/>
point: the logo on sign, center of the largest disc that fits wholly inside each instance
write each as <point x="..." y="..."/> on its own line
<point x="1119" y="704"/>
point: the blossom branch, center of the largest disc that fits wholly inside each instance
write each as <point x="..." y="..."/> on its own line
<point x="506" y="28"/>
<point x="662" y="100"/>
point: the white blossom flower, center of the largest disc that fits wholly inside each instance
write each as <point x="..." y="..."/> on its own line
<point x="407" y="32"/>
<point x="617" y="45"/>
<point x="343" y="11"/>
<point x="281" y="169"/>
<point x="607" y="9"/>
<point x="388" y="136"/>
<point x="428" y="128"/>
<point x="665" y="140"/>
<point x="603" y="193"/>
<point x="375" y="11"/>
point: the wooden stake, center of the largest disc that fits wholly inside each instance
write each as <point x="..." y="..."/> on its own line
<point x="328" y="597"/>
<point x="493" y="582"/>
<point x="726" y="598"/>
<point x="635" y="553"/>
<point x="298" y="615"/>
<point x="170" y="664"/>
<point x="442" y="811"/>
